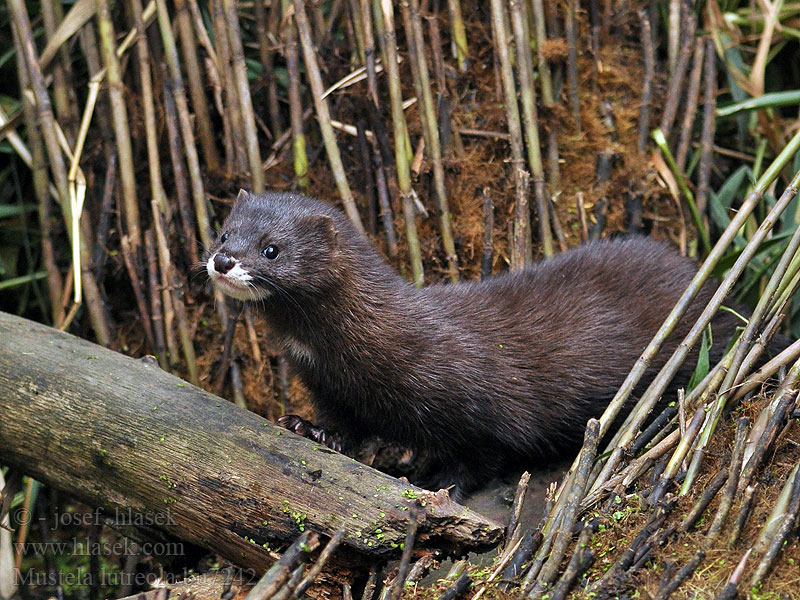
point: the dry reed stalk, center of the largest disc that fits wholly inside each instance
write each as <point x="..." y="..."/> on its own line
<point x="661" y="381"/>
<point x="729" y="494"/>
<point x="174" y="286"/>
<point x="322" y="559"/>
<point x="519" y="20"/>
<point x="513" y="536"/>
<point x="407" y="193"/>
<point x="264" y="28"/>
<point x="41" y="188"/>
<point x="690" y="107"/>
<point x="245" y="102"/>
<point x="787" y="524"/>
<point x="709" y="125"/>
<point x="103" y="219"/>
<point x="91" y="293"/>
<point x="151" y="134"/>
<point x="647" y="86"/>
<point x="300" y="158"/>
<point x="184" y="119"/>
<point x="705" y="499"/>
<point x="89" y="49"/>
<point x="213" y="73"/>
<point x="252" y="336"/>
<point x="432" y="141"/>
<point x="154" y="287"/>
<point x="539" y="27"/>
<point x="194" y="78"/>
<point x="323" y="114"/>
<point x="488" y="233"/>
<point x="521" y="250"/>
<point x="674" y="34"/>
<point x="128" y="258"/>
<point x="119" y="118"/>
<point x="459" y="32"/>
<point x="277" y="575"/>
<point x="357" y="25"/>
<point x="46" y="119"/>
<point x="548" y="100"/>
<point x="64" y="99"/>
<point x="384" y="202"/>
<point x="582" y="559"/>
<point x="398" y="585"/>
<point x="179" y="176"/>
<point x="572" y="62"/>
<point x="365" y="156"/>
<point x="563" y="534"/>
<point x="678" y="77"/>
<point x="369" y="50"/>
<point x="237" y="159"/>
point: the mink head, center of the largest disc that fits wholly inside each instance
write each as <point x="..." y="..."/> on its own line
<point x="276" y="244"/>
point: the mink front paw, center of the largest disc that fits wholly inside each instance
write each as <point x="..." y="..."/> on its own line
<point x="307" y="429"/>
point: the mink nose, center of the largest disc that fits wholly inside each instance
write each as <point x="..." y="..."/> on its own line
<point x="223" y="263"/>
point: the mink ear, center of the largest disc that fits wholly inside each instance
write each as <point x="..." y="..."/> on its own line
<point x="324" y="226"/>
<point x="243" y="195"/>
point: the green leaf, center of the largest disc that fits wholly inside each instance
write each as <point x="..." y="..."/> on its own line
<point x="703" y="362"/>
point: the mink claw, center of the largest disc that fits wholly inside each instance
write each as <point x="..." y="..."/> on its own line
<point x="307" y="429"/>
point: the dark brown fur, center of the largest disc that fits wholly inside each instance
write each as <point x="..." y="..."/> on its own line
<point x="476" y="375"/>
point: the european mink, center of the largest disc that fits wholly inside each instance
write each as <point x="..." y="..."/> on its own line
<point x="473" y="376"/>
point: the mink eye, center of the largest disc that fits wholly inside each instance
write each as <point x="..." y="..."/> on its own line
<point x="223" y="238"/>
<point x="270" y="252"/>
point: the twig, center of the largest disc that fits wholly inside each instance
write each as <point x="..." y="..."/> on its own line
<point x="778" y="540"/>
<point x="488" y="233"/>
<point x="572" y="62"/>
<point x="748" y="496"/>
<point x="457" y="588"/>
<point x="372" y="582"/>
<point x="668" y="586"/>
<point x="564" y="533"/>
<point x="402" y="571"/>
<point x="316" y="569"/>
<point x="365" y="156"/>
<point x="675" y="91"/>
<point x="690" y="109"/>
<point x="516" y="509"/>
<point x="729" y="494"/>
<point x="709" y="125"/>
<point x="277" y="575"/>
<point x="731" y="590"/>
<point x="647" y="86"/>
<point x="582" y="559"/>
<point x="705" y="499"/>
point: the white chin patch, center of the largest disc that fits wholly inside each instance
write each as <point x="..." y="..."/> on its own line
<point x="236" y="283"/>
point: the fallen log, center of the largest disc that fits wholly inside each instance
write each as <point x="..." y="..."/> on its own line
<point x="121" y="434"/>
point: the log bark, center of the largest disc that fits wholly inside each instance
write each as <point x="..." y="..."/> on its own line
<point x="123" y="435"/>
